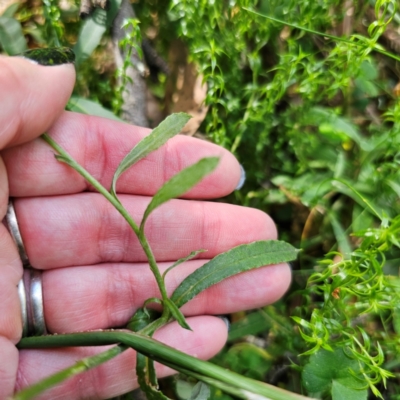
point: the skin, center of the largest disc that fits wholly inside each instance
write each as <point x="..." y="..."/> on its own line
<point x="94" y="273"/>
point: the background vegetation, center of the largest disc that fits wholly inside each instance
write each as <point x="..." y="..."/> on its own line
<point x="307" y="96"/>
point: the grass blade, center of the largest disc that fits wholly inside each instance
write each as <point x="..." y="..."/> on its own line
<point x="241" y="258"/>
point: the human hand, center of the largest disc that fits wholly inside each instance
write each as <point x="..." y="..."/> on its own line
<point x="95" y="274"/>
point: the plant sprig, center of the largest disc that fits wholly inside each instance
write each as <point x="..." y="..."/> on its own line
<point x="236" y="260"/>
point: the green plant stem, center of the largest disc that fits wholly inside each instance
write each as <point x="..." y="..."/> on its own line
<point x="163" y="354"/>
<point x="153" y="326"/>
<point x="65" y="157"/>
<point x="338" y="38"/>
<point x="81" y="366"/>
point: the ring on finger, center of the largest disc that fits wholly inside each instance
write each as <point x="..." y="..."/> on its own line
<point x="30" y="288"/>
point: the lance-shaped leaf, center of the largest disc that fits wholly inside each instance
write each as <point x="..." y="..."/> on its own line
<point x="177" y="314"/>
<point x="182" y="260"/>
<point x="241" y="258"/>
<point x="181" y="183"/>
<point x="168" y="128"/>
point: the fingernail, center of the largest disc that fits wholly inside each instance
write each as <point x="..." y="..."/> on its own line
<point x="50" y="56"/>
<point x="226" y="321"/>
<point x="242" y="178"/>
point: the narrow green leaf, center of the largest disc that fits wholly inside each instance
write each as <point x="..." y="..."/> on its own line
<point x="177" y="314"/>
<point x="181" y="183"/>
<point x="168" y="128"/>
<point x="182" y="260"/>
<point x="346" y="188"/>
<point x="93" y="30"/>
<point x="338" y="126"/>
<point x="12" y="39"/>
<point x="80" y="366"/>
<point x="89" y="107"/>
<point x="241" y="258"/>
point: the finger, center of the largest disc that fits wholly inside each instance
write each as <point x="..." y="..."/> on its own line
<point x="107" y="295"/>
<point x="118" y="375"/>
<point x="85" y="229"/>
<point x="99" y="145"/>
<point x="10" y="312"/>
<point x="32" y="97"/>
<point x="8" y="368"/>
<point x="10" y="273"/>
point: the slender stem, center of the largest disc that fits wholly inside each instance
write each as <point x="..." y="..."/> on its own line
<point x="337" y="38"/>
<point x="65" y="157"/>
<point x="81" y="366"/>
<point x="92" y="180"/>
<point x="163" y="354"/>
<point x="153" y="264"/>
<point x="153" y="326"/>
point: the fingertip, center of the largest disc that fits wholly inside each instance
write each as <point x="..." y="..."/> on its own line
<point x="33" y="96"/>
<point x="207" y="337"/>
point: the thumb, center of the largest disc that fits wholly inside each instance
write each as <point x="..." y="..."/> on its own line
<point x="32" y="97"/>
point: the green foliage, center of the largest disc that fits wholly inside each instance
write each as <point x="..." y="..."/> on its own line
<point x="248" y="360"/>
<point x="335" y="373"/>
<point x="85" y="106"/>
<point x="240" y="258"/>
<point x="170" y="127"/>
<point x="180" y="184"/>
<point x="93" y="29"/>
<point x="354" y="289"/>
<point x="302" y="93"/>
<point x="12" y="39"/>
<point x="131" y="42"/>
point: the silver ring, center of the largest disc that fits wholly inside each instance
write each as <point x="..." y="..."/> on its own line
<point x="35" y="322"/>
<point x="30" y="290"/>
<point x="13" y="228"/>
